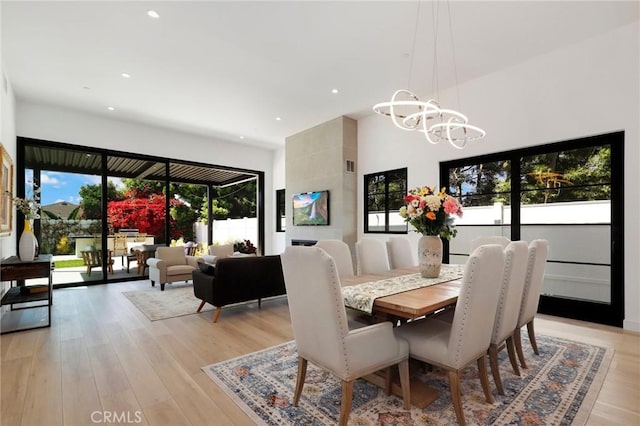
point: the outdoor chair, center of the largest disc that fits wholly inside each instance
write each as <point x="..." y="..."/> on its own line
<point x="93" y="259"/>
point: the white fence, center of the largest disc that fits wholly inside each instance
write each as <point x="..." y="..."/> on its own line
<point x="229" y="230"/>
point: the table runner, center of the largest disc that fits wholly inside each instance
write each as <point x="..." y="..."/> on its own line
<point x="362" y="296"/>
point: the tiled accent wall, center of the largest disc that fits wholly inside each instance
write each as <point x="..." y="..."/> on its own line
<point x="316" y="159"/>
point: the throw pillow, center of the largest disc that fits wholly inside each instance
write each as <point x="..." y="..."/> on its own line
<point x="206" y="268"/>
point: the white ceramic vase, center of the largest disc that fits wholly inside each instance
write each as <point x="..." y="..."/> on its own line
<point x="27" y="243"/>
<point x="430" y="256"/>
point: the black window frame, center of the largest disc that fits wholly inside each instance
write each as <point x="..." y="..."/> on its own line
<point x="603" y="313"/>
<point x="280" y="209"/>
<point x="387" y="207"/>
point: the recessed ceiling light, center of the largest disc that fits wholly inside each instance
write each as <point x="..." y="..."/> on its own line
<point x="153" y="14"/>
<point x="111" y="108"/>
<point x="126" y="75"/>
<point x="278" y="118"/>
<point x="241" y="137"/>
<point x="334" y="91"/>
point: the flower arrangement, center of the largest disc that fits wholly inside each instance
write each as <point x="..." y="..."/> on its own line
<point x="28" y="205"/>
<point x="245" y="247"/>
<point x="431" y="213"/>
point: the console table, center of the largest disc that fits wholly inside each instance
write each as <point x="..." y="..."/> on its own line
<point x="13" y="269"/>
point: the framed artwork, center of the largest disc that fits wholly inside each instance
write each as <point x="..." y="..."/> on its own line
<point x="6" y="180"/>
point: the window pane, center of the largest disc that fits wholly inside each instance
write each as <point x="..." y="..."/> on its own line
<point x="486" y="179"/>
<point x="384" y="194"/>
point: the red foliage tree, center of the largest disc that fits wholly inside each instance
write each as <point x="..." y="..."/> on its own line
<point x="145" y="212"/>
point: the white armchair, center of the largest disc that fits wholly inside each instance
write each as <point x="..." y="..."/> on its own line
<point x="215" y="252"/>
<point x="171" y="265"/>
<point x="320" y="328"/>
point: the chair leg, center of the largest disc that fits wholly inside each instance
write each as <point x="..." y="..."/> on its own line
<point x="302" y="373"/>
<point x="345" y="405"/>
<point x="388" y="380"/>
<point x="532" y="337"/>
<point x="403" y="369"/>
<point x="161" y="286"/>
<point x="201" y="306"/>
<point x="511" y="350"/>
<point x="153" y="283"/>
<point x="517" y="340"/>
<point x="484" y="378"/>
<point x="217" y="314"/>
<point x="495" y="370"/>
<point x="259" y="303"/>
<point x="454" y="384"/>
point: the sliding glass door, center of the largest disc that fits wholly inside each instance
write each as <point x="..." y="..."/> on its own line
<point x="569" y="193"/>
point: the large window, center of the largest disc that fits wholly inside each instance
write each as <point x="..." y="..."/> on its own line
<point x="568" y="193"/>
<point x="99" y="207"/>
<point x="384" y="192"/>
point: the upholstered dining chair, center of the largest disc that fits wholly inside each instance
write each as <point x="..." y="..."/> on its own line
<point x="454" y="345"/>
<point x="537" y="259"/>
<point x="321" y="333"/>
<point x="401" y="255"/>
<point x="513" y="278"/>
<point x="341" y="254"/>
<point x="489" y="239"/>
<point x="371" y="256"/>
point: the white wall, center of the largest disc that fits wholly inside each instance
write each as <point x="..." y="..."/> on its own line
<point x="279" y="182"/>
<point x="79" y="128"/>
<point x="8" y="139"/>
<point x="591" y="87"/>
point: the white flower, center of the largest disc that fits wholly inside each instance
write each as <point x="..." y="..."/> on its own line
<point x="433" y="202"/>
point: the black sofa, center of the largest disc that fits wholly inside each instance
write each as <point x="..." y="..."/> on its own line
<point x="238" y="279"/>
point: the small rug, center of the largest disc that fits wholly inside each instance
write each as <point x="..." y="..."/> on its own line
<point x="559" y="388"/>
<point x="176" y="300"/>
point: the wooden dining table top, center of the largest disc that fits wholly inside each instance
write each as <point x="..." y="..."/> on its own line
<point x="410" y="304"/>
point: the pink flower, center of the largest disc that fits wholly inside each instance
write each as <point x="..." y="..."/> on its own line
<point x="451" y="206"/>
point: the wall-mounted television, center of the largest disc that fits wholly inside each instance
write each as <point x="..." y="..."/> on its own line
<point x="311" y="208"/>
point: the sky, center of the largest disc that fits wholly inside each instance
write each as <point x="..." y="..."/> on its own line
<point x="59" y="186"/>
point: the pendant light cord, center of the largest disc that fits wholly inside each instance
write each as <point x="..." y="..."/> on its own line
<point x="413" y="48"/>
<point x="435" y="84"/>
<point x="453" y="53"/>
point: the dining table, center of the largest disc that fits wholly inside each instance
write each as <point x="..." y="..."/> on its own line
<point x="402" y="295"/>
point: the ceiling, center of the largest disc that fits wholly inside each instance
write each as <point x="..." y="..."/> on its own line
<point x="226" y="70"/>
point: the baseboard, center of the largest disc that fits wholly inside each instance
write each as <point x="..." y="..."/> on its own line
<point x="631" y="325"/>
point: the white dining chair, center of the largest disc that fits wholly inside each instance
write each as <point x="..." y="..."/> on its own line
<point x="489" y="239"/>
<point x="371" y="256"/>
<point x="321" y="333"/>
<point x="341" y="253"/>
<point x="401" y="255"/>
<point x="506" y="318"/>
<point x="537" y="259"/>
<point x="454" y="345"/>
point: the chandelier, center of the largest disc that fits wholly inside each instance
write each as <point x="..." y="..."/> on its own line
<point x="409" y="113"/>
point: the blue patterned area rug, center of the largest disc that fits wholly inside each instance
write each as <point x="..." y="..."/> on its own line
<point x="559" y="388"/>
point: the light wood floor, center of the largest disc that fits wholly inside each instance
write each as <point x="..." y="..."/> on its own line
<point x="102" y="354"/>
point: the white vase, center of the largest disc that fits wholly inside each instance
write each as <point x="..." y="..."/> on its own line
<point x="27" y="244"/>
<point x="430" y="256"/>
